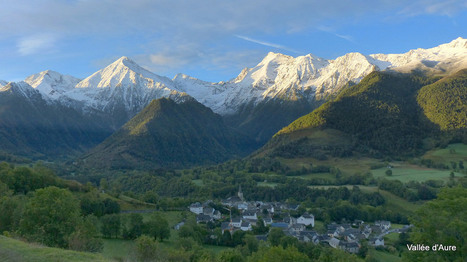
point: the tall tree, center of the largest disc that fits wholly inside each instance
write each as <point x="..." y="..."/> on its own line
<point x="111" y="225"/>
<point x="158" y="227"/>
<point x="50" y="217"/>
<point x="275" y="235"/>
<point x="441" y="221"/>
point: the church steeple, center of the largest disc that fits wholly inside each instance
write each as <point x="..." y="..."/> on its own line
<point x="240" y="193"/>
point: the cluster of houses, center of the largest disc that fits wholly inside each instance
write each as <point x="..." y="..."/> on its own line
<point x="343" y="236"/>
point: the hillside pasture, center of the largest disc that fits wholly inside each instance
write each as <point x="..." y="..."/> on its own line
<point x="406" y="173"/>
<point x="12" y="250"/>
<point x="452" y="153"/>
<point x="392" y="201"/>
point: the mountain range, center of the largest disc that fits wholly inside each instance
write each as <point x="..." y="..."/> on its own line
<point x="256" y="104"/>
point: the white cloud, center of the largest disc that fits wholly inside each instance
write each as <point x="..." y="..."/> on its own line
<point x="168" y="17"/>
<point x="434" y="7"/>
<point x="331" y="30"/>
<point x="264" y="43"/>
<point x="36" y="43"/>
<point x="170" y="34"/>
<point x="223" y="64"/>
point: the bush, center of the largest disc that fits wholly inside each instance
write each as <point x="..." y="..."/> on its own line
<point x="147" y="249"/>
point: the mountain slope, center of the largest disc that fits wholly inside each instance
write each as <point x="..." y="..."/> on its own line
<point x="379" y="116"/>
<point x="31" y="126"/>
<point x="120" y="90"/>
<point x="169" y="134"/>
<point x="444" y="102"/>
<point x="263" y="120"/>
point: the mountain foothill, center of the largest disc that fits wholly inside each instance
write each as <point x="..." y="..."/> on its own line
<point x="124" y="116"/>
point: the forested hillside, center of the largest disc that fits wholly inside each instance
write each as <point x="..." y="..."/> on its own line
<point x="29" y="126"/>
<point x="444" y="102"/>
<point x="386" y="114"/>
<point x="167" y="134"/>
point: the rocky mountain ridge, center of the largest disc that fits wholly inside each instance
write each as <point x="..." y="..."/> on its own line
<point x="124" y="85"/>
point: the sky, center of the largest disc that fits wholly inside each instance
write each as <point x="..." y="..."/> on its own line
<point x="212" y="40"/>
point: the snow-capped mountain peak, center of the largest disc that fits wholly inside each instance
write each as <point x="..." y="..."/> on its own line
<point x="456" y="43"/>
<point x="445" y="57"/>
<point x="123" y="71"/>
<point x="51" y="84"/>
<point x="20" y="88"/>
<point x="125" y="85"/>
<point x="309" y="77"/>
<point x="122" y="86"/>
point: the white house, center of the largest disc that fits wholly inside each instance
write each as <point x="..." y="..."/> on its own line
<point x="267" y="221"/>
<point x="296" y="228"/>
<point x="236" y="222"/>
<point x="384" y="225"/>
<point x="377" y="242"/>
<point x="306" y="219"/>
<point x="196" y="208"/>
<point x="217" y="215"/>
<point x="250" y="215"/>
<point x="351" y="247"/>
<point x="242" y="206"/>
<point x="334" y="242"/>
<point x="208" y="211"/>
<point x="245" y="226"/>
<point x="268" y="207"/>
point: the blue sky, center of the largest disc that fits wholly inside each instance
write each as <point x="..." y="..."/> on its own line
<point x="211" y="39"/>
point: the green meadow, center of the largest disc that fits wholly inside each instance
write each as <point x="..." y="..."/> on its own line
<point x="12" y="250"/>
<point x="406" y="173"/>
<point x="453" y="152"/>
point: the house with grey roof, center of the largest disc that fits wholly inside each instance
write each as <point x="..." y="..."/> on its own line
<point x="306" y="219"/>
<point x="246" y="226"/>
<point x="384" y="225"/>
<point x="202" y="218"/>
<point x="351" y="247"/>
<point x="196" y="208"/>
<point x="376" y="241"/>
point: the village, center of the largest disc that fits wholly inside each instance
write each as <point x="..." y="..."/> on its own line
<point x="345" y="236"/>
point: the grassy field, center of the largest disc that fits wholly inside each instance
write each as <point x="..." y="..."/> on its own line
<point x="117" y="249"/>
<point x="384" y="256"/>
<point x="397" y="203"/>
<point x="326" y="176"/>
<point x="397" y="225"/>
<point x="402" y="171"/>
<point x="267" y="184"/>
<point x="392" y="201"/>
<point x="216" y="249"/>
<point x="198" y="182"/>
<point x="391" y="238"/>
<point x="406" y="173"/>
<point x="453" y="152"/>
<point x="348" y="165"/>
<point x="12" y="250"/>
